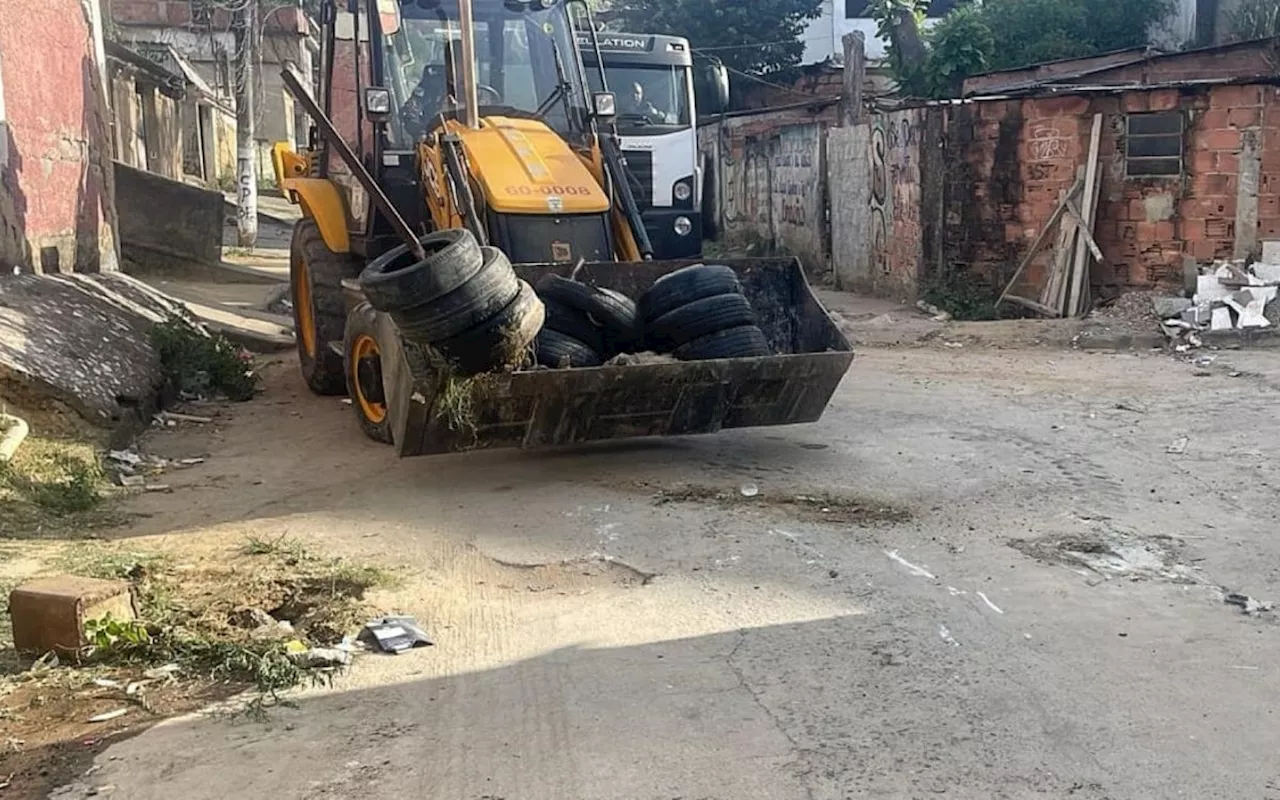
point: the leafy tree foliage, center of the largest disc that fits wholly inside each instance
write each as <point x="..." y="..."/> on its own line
<point x="755" y="36"/>
<point x="1004" y="34"/>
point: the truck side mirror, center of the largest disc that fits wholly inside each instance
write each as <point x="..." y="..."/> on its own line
<point x="715" y="80"/>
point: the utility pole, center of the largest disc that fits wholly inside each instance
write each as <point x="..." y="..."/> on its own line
<point x="244" y="25"/>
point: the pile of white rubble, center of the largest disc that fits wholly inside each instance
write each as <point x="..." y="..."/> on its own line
<point x="1229" y="295"/>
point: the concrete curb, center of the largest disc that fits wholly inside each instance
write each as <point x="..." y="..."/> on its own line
<point x="254" y="341"/>
<point x="15" y="432"/>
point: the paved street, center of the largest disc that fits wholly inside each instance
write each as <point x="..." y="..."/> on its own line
<point x="997" y="583"/>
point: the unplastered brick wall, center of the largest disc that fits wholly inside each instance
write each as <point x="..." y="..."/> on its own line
<point x="1183" y="171"/>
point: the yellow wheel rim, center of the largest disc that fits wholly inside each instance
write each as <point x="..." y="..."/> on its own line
<point x="302" y="310"/>
<point x="364" y="347"/>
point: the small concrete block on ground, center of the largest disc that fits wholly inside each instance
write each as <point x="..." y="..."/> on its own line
<point x="49" y="614"/>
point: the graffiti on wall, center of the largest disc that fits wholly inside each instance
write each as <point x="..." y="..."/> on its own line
<point x="795" y="174"/>
<point x="879" y="201"/>
<point x="1047" y="143"/>
<point x="895" y="188"/>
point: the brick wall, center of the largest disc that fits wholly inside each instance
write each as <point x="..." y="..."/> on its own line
<point x="1009" y="161"/>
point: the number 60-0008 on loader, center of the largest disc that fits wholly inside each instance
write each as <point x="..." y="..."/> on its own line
<point x="472" y="268"/>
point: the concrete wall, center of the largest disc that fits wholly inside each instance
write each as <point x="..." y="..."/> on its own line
<point x="56" y="187"/>
<point x="165" y="223"/>
<point x="769" y="172"/>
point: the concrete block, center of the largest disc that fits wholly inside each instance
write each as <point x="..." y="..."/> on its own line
<point x="49" y="614"/>
<point x="1221" y="319"/>
<point x="1271" y="252"/>
<point x="1169" y="307"/>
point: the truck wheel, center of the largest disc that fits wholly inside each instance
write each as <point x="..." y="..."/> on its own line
<point x="498" y="343"/>
<point x="613" y="312"/>
<point x="488" y="292"/>
<point x="747" y="341"/>
<point x="319" y="311"/>
<point x="574" y="324"/>
<point x="684" y="286"/>
<point x="559" y="351"/>
<point x="362" y="367"/>
<point x="697" y="319"/>
<point x="396" y="281"/>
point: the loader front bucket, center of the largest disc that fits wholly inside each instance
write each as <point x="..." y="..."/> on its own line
<point x="433" y="413"/>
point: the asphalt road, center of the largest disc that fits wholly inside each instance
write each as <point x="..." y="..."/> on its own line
<point x="1017" y="591"/>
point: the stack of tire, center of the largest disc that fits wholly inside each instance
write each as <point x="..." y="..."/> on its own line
<point x="585" y="325"/>
<point x="699" y="313"/>
<point x="462" y="301"/>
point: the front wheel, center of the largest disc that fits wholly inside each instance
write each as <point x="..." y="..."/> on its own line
<point x="362" y="366"/>
<point x="319" y="311"/>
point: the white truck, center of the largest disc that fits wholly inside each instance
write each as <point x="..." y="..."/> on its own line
<point x="652" y="77"/>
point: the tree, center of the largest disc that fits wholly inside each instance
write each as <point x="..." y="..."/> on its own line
<point x="1004" y="34"/>
<point x="755" y="36"/>
<point x="1254" y="19"/>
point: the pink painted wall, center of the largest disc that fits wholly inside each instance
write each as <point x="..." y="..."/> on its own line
<point x="56" y="188"/>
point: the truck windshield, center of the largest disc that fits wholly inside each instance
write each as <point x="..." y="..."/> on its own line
<point x="526" y="65"/>
<point x="651" y="98"/>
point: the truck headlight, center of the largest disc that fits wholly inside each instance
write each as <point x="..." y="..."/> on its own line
<point x="683" y="191"/>
<point x="683" y="226"/>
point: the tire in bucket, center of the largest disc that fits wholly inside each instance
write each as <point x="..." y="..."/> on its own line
<point x="573" y="323"/>
<point x="697" y="319"/>
<point x="560" y="351"/>
<point x="397" y="280"/>
<point x="488" y="292"/>
<point x="319" y="310"/>
<point x="747" y="341"/>
<point x="499" y="343"/>
<point x="362" y="365"/>
<point x="684" y="286"/>
<point x="613" y="312"/>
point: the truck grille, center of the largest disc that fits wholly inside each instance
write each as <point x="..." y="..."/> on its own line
<point x="640" y="176"/>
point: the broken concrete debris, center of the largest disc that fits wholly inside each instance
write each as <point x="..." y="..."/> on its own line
<point x="1251" y="606"/>
<point x="1229" y="295"/>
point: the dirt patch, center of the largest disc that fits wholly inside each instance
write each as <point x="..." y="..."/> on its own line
<point x="1109" y="552"/>
<point x="812" y="507"/>
<point x="215" y="621"/>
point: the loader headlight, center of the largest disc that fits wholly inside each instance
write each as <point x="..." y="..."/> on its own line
<point x="606" y="104"/>
<point x="683" y="226"/>
<point x="683" y="191"/>
<point x="377" y="101"/>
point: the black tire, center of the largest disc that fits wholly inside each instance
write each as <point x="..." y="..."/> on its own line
<point x="687" y="285"/>
<point x="498" y="343"/>
<point x="573" y="323"/>
<point x="560" y="351"/>
<point x="396" y="280"/>
<point x="697" y="319"/>
<point x="487" y="293"/>
<point x="747" y="341"/>
<point x="612" y="311"/>
<point x="311" y="261"/>
<point x="362" y="323"/>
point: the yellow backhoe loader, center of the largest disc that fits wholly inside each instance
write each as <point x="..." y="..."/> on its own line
<point x="454" y="138"/>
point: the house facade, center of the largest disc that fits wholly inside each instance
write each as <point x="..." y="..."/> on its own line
<point x="57" y="196"/>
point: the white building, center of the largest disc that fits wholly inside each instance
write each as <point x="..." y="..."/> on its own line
<point x="823" y="36"/>
<point x="1193" y="22"/>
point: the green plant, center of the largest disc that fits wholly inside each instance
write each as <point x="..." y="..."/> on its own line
<point x="198" y="363"/>
<point x="963" y="297"/>
<point x="1254" y="19"/>
<point x="115" y="636"/>
<point x="1004" y="34"/>
<point x="66" y="485"/>
<point x="752" y="36"/>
